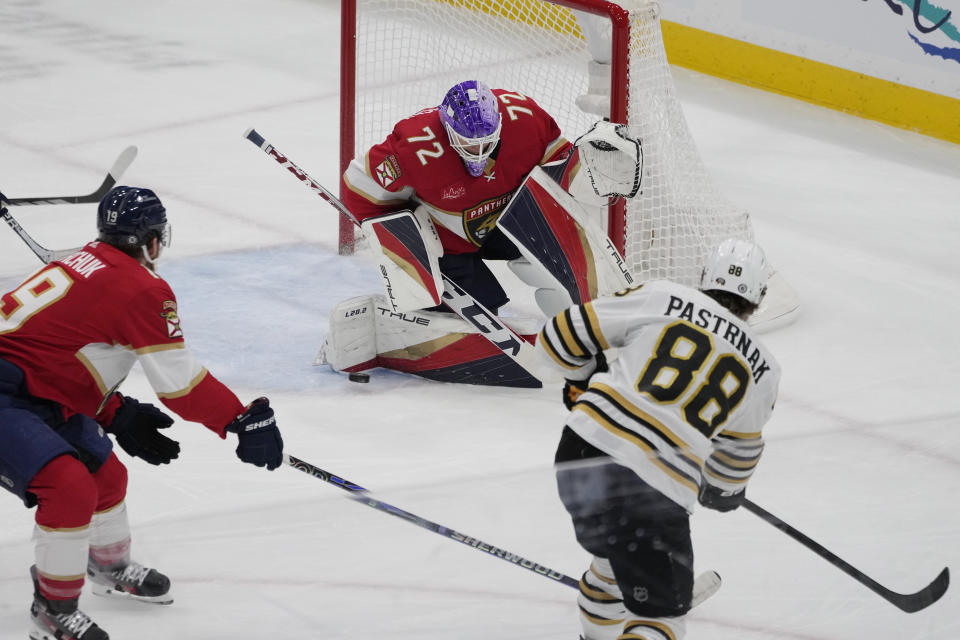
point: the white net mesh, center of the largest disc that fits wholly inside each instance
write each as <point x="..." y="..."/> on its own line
<point x="409" y="52"/>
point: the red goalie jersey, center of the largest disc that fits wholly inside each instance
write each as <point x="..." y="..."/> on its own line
<point x="417" y="165"/>
<point x="77" y="326"/>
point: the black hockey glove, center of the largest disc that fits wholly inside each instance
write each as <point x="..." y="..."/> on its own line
<point x="259" y="439"/>
<point x="136" y="426"/>
<point x="573" y="389"/>
<point x="719" y="500"/>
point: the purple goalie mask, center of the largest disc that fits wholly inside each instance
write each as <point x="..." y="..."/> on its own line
<point x="470" y="115"/>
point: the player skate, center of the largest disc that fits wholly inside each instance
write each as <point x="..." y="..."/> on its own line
<point x="60" y="619"/>
<point x="134" y="582"/>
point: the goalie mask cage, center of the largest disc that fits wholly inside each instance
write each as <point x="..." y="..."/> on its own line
<point x="400" y="56"/>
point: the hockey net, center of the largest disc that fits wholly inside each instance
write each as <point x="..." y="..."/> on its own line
<point x="579" y="59"/>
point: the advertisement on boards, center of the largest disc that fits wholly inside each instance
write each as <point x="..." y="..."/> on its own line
<point x="911" y="42"/>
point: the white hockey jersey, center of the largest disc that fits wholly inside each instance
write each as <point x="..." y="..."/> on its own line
<point x="687" y="396"/>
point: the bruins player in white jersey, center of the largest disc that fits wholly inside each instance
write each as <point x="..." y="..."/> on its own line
<point x="676" y="417"/>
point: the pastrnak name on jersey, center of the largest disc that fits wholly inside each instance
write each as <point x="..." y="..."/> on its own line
<point x="722" y="328"/>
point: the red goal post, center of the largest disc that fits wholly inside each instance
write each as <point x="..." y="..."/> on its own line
<point x="580" y="60"/>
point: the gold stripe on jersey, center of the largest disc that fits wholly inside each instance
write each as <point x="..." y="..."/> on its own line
<point x="599" y="576"/>
<point x="739" y="435"/>
<point x="561" y="324"/>
<point x="652" y="454"/>
<point x="598" y="620"/>
<point x="154" y="348"/>
<point x="64" y="529"/>
<point x="552" y="149"/>
<point x="722" y="477"/>
<point x="634" y="627"/>
<point x="735" y="462"/>
<point x="568" y="316"/>
<point x="92" y="370"/>
<point x="396" y="201"/>
<point x="593" y="326"/>
<point x="187" y="389"/>
<point x="69" y="578"/>
<point x="646" y="420"/>
<point x="596" y="595"/>
<point x="109" y="509"/>
<point x="544" y="341"/>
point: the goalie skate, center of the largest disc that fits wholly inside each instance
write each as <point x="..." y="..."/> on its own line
<point x="133" y="582"/>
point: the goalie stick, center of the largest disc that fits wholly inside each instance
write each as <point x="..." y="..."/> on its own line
<point x="705" y="585"/>
<point x="120" y="165"/>
<point x="909" y="602"/>
<point x="462" y="303"/>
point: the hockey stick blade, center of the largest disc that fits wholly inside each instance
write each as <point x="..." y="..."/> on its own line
<point x="45" y="255"/>
<point x="908" y="602"/>
<point x="705" y="585"/>
<point x="123" y="161"/>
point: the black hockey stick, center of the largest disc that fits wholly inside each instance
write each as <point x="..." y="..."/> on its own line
<point x="909" y="602"/>
<point x="46" y="255"/>
<point x="120" y="165"/>
<point x="359" y="494"/>
<point x="462" y="303"/>
<point x="704" y="586"/>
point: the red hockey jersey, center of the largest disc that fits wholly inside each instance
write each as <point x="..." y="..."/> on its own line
<point x="77" y="326"/>
<point x="417" y="165"/>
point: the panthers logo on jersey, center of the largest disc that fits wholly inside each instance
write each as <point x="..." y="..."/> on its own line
<point x="479" y="221"/>
<point x="169" y="312"/>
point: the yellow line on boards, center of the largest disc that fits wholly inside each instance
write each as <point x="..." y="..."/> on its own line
<point x="871" y="98"/>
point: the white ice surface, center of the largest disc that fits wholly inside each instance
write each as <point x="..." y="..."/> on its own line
<point x="863" y="450"/>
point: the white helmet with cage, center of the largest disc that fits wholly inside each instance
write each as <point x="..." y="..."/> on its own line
<point x="737" y="266"/>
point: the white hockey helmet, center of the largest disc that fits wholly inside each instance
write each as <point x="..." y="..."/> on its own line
<point x="737" y="266"/>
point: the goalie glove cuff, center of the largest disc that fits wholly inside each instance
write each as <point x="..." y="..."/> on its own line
<point x="612" y="158"/>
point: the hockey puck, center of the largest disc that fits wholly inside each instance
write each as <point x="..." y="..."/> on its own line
<point x="359" y="377"/>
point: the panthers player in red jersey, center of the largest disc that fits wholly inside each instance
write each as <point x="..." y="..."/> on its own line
<point x="69" y="335"/>
<point x="453" y="169"/>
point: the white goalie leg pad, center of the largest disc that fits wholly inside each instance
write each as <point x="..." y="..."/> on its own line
<point x="351" y="340"/>
<point x="415" y="334"/>
<point x="407" y="249"/>
<point x="612" y="159"/>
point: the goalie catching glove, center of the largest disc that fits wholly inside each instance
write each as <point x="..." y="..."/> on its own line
<point x="612" y="159"/>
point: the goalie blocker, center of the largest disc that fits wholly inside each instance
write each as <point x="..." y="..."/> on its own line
<point x="407" y="249"/>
